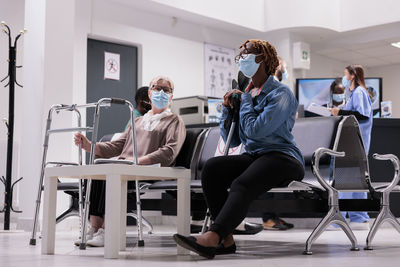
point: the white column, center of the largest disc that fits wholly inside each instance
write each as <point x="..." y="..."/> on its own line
<point x="48" y="68"/>
<point x="31" y="105"/>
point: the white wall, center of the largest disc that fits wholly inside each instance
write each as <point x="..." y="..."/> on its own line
<point x="165" y="47"/>
<point x="232" y="11"/>
<point x="391" y="84"/>
<point x="48" y="80"/>
<point x="310" y="13"/>
<point x="357" y="14"/>
<point x="324" y="67"/>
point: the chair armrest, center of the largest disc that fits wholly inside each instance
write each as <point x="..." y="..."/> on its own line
<point x="319" y="152"/>
<point x="396" y="164"/>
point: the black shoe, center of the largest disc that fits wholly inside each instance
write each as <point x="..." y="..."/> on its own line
<point x="249" y="229"/>
<point x="190" y="243"/>
<point x="288" y="225"/>
<point x="277" y="225"/>
<point x="222" y="250"/>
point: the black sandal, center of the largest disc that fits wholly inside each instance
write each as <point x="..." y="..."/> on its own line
<point x="222" y="250"/>
<point x="189" y="242"/>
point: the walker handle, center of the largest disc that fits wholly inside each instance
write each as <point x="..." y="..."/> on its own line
<point x="236" y="107"/>
<point x="118" y="101"/>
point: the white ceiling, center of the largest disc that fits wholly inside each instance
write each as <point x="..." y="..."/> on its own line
<point x="369" y="54"/>
<point x="370" y="47"/>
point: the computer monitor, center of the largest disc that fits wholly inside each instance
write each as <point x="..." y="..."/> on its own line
<point x="214" y="110"/>
<point x="318" y="91"/>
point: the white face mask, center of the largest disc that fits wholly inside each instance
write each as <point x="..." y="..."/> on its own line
<point x="285" y="75"/>
<point x="248" y="65"/>
<point x="160" y="99"/>
<point x="346" y="83"/>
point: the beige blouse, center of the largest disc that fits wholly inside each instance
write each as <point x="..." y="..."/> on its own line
<point x="161" y="145"/>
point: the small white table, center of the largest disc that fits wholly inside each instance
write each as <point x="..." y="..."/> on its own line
<point x="116" y="177"/>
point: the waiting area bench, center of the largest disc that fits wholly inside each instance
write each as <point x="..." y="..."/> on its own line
<point x="335" y="161"/>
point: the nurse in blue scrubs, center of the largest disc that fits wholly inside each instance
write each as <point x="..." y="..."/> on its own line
<point x="359" y="105"/>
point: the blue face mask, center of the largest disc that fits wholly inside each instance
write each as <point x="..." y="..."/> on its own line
<point x="248" y="66"/>
<point x="346" y="83"/>
<point x="159" y="99"/>
<point x="285" y="75"/>
<point x="338" y="98"/>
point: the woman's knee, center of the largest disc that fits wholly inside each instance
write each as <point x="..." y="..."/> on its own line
<point x="210" y="169"/>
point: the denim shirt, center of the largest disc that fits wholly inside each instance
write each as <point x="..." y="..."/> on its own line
<point x="265" y="121"/>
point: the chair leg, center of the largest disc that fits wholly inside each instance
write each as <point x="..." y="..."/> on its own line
<point x="384" y="215"/>
<point x="85" y="217"/>
<point x="66" y="214"/>
<point x="145" y="221"/>
<point x="394" y="222"/>
<point x="205" y="223"/>
<point x="139" y="215"/>
<point x="347" y="230"/>
<point x="333" y="216"/>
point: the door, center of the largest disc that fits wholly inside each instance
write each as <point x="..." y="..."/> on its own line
<point x="99" y="85"/>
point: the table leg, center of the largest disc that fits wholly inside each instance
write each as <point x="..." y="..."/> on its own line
<point x="124" y="192"/>
<point x="112" y="216"/>
<point x="49" y="215"/>
<point x="183" y="210"/>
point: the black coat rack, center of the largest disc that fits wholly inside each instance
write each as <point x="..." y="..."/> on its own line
<point x="12" y="67"/>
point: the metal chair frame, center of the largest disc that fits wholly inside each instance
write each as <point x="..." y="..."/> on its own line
<point x="334" y="215"/>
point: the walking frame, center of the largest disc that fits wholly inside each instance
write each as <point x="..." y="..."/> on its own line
<point x="84" y="202"/>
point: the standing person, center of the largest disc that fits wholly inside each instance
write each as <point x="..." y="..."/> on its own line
<point x="359" y="105"/>
<point x="271" y="220"/>
<point x="272" y="159"/>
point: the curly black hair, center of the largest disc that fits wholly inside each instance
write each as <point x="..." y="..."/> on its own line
<point x="142" y="94"/>
<point x="270" y="55"/>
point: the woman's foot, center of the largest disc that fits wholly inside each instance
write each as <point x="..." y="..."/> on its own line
<point x="208" y="239"/>
<point x="190" y="243"/>
<point x="227" y="246"/>
<point x="274" y="224"/>
<point x="205" y="245"/>
<point x="98" y="239"/>
<point x="89" y="235"/>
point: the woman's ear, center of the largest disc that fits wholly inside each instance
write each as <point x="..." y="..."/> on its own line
<point x="259" y="59"/>
<point x="149" y="94"/>
<point x="262" y="65"/>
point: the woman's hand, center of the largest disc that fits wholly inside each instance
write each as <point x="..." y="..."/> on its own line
<point x="228" y="101"/>
<point x="80" y="139"/>
<point x="141" y="160"/>
<point x="334" y="111"/>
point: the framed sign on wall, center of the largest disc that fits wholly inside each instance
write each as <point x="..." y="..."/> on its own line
<point x="219" y="70"/>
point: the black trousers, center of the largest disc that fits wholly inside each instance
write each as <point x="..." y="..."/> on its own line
<point x="247" y="176"/>
<point x="98" y="197"/>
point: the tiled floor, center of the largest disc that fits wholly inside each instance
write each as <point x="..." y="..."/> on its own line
<point x="264" y="249"/>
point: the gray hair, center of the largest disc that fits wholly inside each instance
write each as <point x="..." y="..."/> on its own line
<point x="162" y="78"/>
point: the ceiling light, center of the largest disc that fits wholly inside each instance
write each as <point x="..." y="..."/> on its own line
<point x="396" y="44"/>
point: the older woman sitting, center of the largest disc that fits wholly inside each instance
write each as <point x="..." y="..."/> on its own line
<point x="160" y="135"/>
